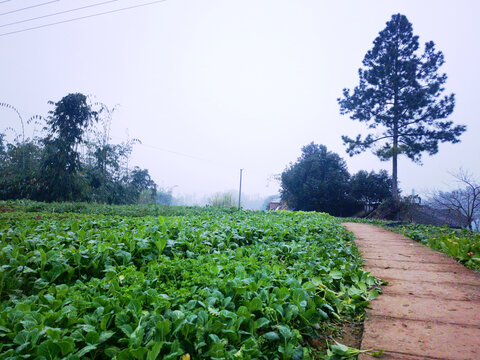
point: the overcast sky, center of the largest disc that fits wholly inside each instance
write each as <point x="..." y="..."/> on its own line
<point x="212" y="86"/>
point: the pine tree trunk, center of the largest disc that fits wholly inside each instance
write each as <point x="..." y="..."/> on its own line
<point x="395" y="194"/>
<point x="394" y="176"/>
<point x="395" y="120"/>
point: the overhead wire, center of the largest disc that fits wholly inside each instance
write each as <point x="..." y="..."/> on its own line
<point x="213" y="162"/>
<point x="58" y="13"/>
<point x="179" y="153"/>
<point x="83" y="17"/>
<point x="217" y="163"/>
<point x="29" y="7"/>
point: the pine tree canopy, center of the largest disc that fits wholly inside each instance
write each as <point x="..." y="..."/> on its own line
<point x="400" y="97"/>
<point x="400" y="89"/>
<point x="400" y="94"/>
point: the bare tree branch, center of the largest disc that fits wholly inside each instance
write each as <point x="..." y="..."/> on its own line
<point x="465" y="201"/>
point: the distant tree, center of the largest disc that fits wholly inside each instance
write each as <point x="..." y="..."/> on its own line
<point x="139" y="180"/>
<point x="165" y="196"/>
<point x="106" y="156"/>
<point x="400" y="93"/>
<point x="465" y="201"/>
<point x="318" y="181"/>
<point x="147" y="196"/>
<point x="3" y="147"/>
<point x="19" y="169"/>
<point x="75" y="160"/>
<point x="66" y="125"/>
<point x="370" y="189"/>
<point x="21" y="136"/>
<point x="106" y="164"/>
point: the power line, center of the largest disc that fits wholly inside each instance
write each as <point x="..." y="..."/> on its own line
<point x="178" y="153"/>
<point x="58" y="13"/>
<point x="4" y="1"/>
<point x="29" y="7"/>
<point x="83" y="17"/>
<point x="213" y="162"/>
<point x="220" y="164"/>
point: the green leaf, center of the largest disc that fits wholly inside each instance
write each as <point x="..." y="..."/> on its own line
<point x="284" y="331"/>
<point x="339" y="349"/>
<point x="138" y="353"/>
<point x="112" y="351"/>
<point x="48" y="349"/>
<point x="4" y="329"/>
<point x="66" y="346"/>
<point x="255" y="304"/>
<point x="214" y="338"/>
<point x="127" y="329"/>
<point x="86" y="350"/>
<point x="154" y="351"/>
<point x="262" y="322"/>
<point x="92" y="337"/>
<point x="271" y="336"/>
<point x="105" y="335"/>
<point x="297" y="354"/>
<point x="22" y="337"/>
<point x="336" y="274"/>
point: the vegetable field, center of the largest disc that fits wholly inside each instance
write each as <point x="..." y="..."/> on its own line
<point x="238" y="285"/>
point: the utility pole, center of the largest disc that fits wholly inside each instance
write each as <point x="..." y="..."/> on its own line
<point x="240" y="190"/>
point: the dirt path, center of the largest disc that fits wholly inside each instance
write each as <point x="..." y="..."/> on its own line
<point x="431" y="306"/>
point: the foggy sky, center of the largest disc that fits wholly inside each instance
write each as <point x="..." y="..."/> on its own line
<point x="210" y="87"/>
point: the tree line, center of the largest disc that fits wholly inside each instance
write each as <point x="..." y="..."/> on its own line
<point x="319" y="181"/>
<point x="400" y="97"/>
<point x="73" y="158"/>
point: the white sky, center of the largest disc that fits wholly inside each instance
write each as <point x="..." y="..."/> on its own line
<point x="233" y="84"/>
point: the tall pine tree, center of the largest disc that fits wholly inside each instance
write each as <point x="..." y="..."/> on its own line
<point x="400" y="95"/>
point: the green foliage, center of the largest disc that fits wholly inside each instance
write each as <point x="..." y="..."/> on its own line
<point x="52" y="168"/>
<point x="318" y="181"/>
<point x="61" y="161"/>
<point x="104" y="209"/>
<point x="219" y="285"/>
<point x="140" y="181"/>
<point x="370" y="189"/>
<point x="400" y="93"/>
<point x="20" y="169"/>
<point x="339" y="351"/>
<point x="164" y="196"/>
<point x="147" y="196"/>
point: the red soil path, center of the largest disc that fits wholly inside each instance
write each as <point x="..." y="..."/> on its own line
<point x="431" y="307"/>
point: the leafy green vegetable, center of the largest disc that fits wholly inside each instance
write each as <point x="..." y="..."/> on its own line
<point x="213" y="285"/>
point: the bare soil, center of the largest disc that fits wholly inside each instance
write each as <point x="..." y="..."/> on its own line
<point x="430" y="308"/>
<point x="347" y="333"/>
